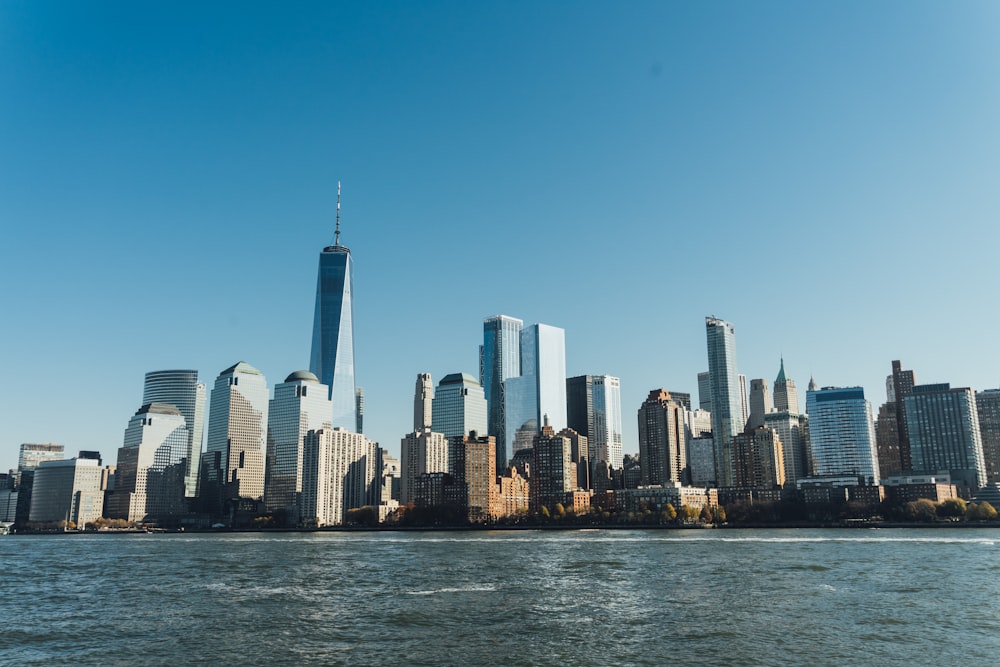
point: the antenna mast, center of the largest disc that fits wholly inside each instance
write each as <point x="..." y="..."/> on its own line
<point x="336" y="234"/>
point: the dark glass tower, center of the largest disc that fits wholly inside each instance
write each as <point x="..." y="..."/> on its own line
<point x="332" y="359"/>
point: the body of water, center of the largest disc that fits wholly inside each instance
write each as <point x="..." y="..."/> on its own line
<point x="721" y="597"/>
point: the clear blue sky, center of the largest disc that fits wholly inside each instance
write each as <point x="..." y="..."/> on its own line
<point x="823" y="175"/>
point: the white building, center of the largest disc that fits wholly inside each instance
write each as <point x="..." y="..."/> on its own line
<point x="67" y="490"/>
<point x="421" y="452"/>
<point x="339" y="473"/>
<point x="181" y="389"/>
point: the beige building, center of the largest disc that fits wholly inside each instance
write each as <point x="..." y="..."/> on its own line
<point x="67" y="490"/>
<point x="421" y="452"/>
<point x="339" y="473"/>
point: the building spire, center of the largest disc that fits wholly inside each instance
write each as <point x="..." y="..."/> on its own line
<point x="781" y="372"/>
<point x="336" y="233"/>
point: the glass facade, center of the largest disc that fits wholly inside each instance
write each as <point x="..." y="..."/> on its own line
<point x="237" y="434"/>
<point x="332" y="359"/>
<point x="499" y="359"/>
<point x="540" y="391"/>
<point x="181" y="389"/>
<point x="459" y="406"/>
<point x="151" y="469"/>
<point x="944" y="431"/>
<point x="300" y="404"/>
<point x="724" y="387"/>
<point x="842" y="434"/>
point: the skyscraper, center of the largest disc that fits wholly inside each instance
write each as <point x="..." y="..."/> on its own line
<point x="499" y="359"/>
<point x="181" y="389"/>
<point x="237" y="436"/>
<point x="300" y="404"/>
<point x="727" y="403"/>
<point x="791" y="430"/>
<point x="943" y="427"/>
<point x="902" y="385"/>
<point x="988" y="406"/>
<point x="594" y="409"/>
<point x="332" y="359"/>
<point x="423" y="402"/>
<point x="459" y="406"/>
<point x="150" y="475"/>
<point x="553" y="472"/>
<point x="704" y="392"/>
<point x="841" y="433"/>
<point x="67" y="490"/>
<point x="421" y="452"/>
<point x="540" y="391"/>
<point x="760" y="403"/>
<point x="339" y="473"/>
<point x="786" y="396"/>
<point x="662" y="446"/>
<point x="758" y="460"/>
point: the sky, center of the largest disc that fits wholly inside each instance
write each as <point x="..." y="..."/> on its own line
<point x="822" y="175"/>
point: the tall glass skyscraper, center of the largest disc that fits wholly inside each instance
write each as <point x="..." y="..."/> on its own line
<point x="724" y="386"/>
<point x="499" y="359"/>
<point x="842" y="434"/>
<point x="540" y="391"/>
<point x="945" y="434"/>
<point x="458" y="406"/>
<point x="332" y="359"/>
<point x="594" y="409"/>
<point x="181" y="389"/>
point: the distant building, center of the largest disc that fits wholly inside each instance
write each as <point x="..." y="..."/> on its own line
<point x="701" y="460"/>
<point x="339" y="473"/>
<point x="594" y="409"/>
<point x="903" y="382"/>
<point x="791" y="429"/>
<point x="841" y="433"/>
<point x="578" y="453"/>
<point x="515" y="493"/>
<point x="151" y="472"/>
<point x="786" y="396"/>
<point x="943" y="429"/>
<point x="474" y="471"/>
<point x="359" y="409"/>
<point x="459" y="406"/>
<point x="233" y="465"/>
<point x="540" y="389"/>
<point x="301" y="404"/>
<point x="758" y="460"/>
<point x="421" y="452"/>
<point x="887" y="440"/>
<point x="760" y="403"/>
<point x="182" y="389"/>
<point x="704" y="392"/>
<point x="423" y="402"/>
<point x="662" y="445"/>
<point x="988" y="406"/>
<point x="553" y="472"/>
<point x="33" y="453"/>
<point x="728" y="398"/>
<point x="499" y="359"/>
<point x="67" y="490"/>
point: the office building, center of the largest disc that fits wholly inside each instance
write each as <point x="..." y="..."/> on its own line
<point x="553" y="473"/>
<point x="728" y="400"/>
<point x="332" y="358"/>
<point x="339" y="473"/>
<point x="473" y="465"/>
<point x="841" y="434"/>
<point x="33" y="453"/>
<point x="887" y="438"/>
<point x="423" y="402"/>
<point x="151" y="471"/>
<point x="758" y="460"/>
<point x="791" y="430"/>
<point x="301" y="404"/>
<point x="903" y="382"/>
<point x="499" y="359"/>
<point x="594" y="409"/>
<point x="943" y="430"/>
<point x="579" y="448"/>
<point x="662" y="445"/>
<point x="760" y="403"/>
<point x="233" y="465"/>
<point x="701" y="460"/>
<point x="786" y="396"/>
<point x="359" y="409"/>
<point x="66" y="491"/>
<point x="458" y="406"/>
<point x="704" y="392"/>
<point x="181" y="389"/>
<point x="988" y="406"/>
<point x="421" y="452"/>
<point x="540" y="390"/>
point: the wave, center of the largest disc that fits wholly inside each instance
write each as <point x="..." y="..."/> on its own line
<point x="479" y="588"/>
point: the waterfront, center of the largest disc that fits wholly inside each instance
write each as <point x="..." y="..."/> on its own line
<point x="534" y="598"/>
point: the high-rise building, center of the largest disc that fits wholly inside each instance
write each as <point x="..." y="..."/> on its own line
<point x="359" y="409"/>
<point x="300" y="404"/>
<point x="791" y="429"/>
<point x="943" y="429"/>
<point x="33" y="453"/>
<point x="151" y="472"/>
<point x="841" y="433"/>
<point x="902" y="384"/>
<point x="662" y="446"/>
<point x="181" y="389"/>
<point x="786" y="396"/>
<point x="887" y="438"/>
<point x="728" y="399"/>
<point x="67" y="490"/>
<point x="540" y="390"/>
<point x="594" y="409"/>
<point x="758" y="460"/>
<point x="701" y="460"/>
<point x="499" y="359"/>
<point x="988" y="406"/>
<point x="339" y="473"/>
<point x="553" y="473"/>
<point x="760" y="403"/>
<point x="423" y="402"/>
<point x="704" y="392"/>
<point x="421" y="452"/>
<point x="237" y="437"/>
<point x="459" y="406"/>
<point x="579" y="447"/>
<point x="473" y="465"/>
<point x="332" y="359"/>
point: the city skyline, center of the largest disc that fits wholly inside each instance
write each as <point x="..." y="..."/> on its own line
<point x="152" y="233"/>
